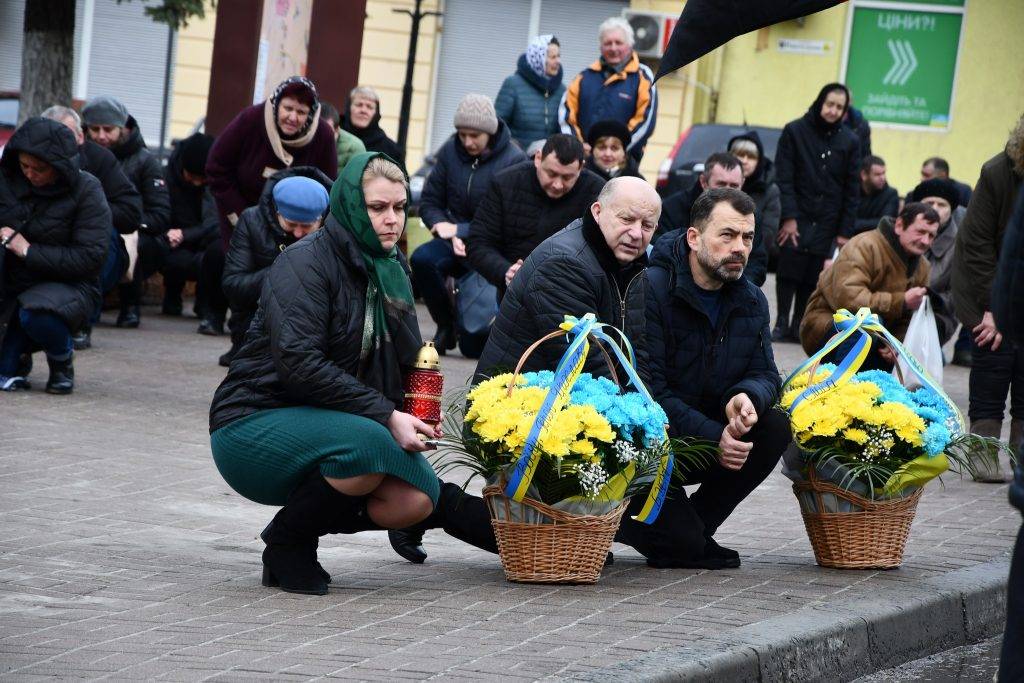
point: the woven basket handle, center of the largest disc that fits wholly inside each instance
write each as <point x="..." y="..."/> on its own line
<point x="552" y="335"/>
<point x="879" y="339"/>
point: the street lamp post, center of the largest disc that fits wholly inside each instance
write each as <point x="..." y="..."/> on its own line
<point x="410" y="65"/>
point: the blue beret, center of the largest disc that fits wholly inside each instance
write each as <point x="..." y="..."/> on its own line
<point x="300" y="199"/>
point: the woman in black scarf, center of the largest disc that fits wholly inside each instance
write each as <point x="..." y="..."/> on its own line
<point x="362" y="118"/>
<point x="816" y="169"/>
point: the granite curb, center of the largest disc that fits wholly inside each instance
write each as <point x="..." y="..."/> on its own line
<point x="838" y="641"/>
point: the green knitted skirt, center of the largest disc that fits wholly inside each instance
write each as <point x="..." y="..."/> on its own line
<point x="264" y="456"/>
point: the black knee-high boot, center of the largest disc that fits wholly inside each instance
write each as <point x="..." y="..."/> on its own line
<point x="314" y="508"/>
<point x="461" y="515"/>
<point x="784" y="291"/>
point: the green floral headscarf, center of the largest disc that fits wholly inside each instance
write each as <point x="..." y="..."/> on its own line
<point x="391" y="336"/>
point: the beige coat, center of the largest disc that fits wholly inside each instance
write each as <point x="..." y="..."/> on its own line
<point x="869" y="273"/>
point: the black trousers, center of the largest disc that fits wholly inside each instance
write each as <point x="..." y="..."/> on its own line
<point x="681" y="530"/>
<point x="993" y="375"/>
<point x="151" y="257"/>
<point x="211" y="271"/>
<point x="1011" y="663"/>
<point x="181" y="265"/>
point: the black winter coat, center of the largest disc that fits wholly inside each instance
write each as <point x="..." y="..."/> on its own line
<point x="458" y="182"/>
<point x="695" y="369"/>
<point x="67" y="225"/>
<point x="302" y="348"/>
<point x="859" y="126"/>
<point x="124" y="200"/>
<point x="516" y="216"/>
<point x="874" y="207"/>
<point x="256" y="242"/>
<point x="1008" y="286"/>
<point x="572" y="273"/>
<point x="145" y="172"/>
<point x="193" y="209"/>
<point x="816" y="168"/>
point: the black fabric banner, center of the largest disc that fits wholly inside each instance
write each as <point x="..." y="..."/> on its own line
<point x="707" y="24"/>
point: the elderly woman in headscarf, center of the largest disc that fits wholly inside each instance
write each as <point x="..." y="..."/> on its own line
<point x="309" y="414"/>
<point x="528" y="99"/>
<point x="283" y="131"/>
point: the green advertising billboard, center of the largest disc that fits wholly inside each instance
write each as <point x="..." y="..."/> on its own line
<point x="901" y="62"/>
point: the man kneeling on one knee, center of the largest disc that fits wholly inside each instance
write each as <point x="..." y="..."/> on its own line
<point x="713" y="371"/>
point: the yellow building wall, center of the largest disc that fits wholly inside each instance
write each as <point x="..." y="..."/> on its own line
<point x="382" y="65"/>
<point x="770" y="88"/>
<point x="192" y="73"/>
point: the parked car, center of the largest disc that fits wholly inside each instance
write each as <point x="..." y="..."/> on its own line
<point x="697" y="143"/>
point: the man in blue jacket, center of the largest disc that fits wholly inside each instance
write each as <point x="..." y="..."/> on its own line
<point x="617" y="86"/>
<point x="712" y="369"/>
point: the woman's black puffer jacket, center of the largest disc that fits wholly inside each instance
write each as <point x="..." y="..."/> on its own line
<point x="302" y="348"/>
<point x="67" y="225"/>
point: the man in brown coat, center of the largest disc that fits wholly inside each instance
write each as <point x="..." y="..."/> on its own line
<point x="883" y="269"/>
<point x="996" y="365"/>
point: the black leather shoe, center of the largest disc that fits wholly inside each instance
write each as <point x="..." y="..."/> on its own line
<point x="128" y="317"/>
<point x="225" y="359"/>
<point x="712" y="549"/>
<point x="445" y="338"/>
<point x="82" y="339"/>
<point x="780" y="334"/>
<point x="409" y="544"/>
<point x="211" y="328"/>
<point x="62" y="375"/>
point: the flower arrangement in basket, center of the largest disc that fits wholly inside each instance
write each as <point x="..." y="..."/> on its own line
<point x="865" y="447"/>
<point x="562" y="452"/>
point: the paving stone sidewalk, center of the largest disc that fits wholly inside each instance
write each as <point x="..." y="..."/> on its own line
<point x="123" y="554"/>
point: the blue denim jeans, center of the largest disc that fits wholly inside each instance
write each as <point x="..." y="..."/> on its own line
<point x="30" y="331"/>
<point x="113" y="269"/>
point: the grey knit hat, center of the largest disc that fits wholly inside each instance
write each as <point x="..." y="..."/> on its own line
<point x="477" y="112"/>
<point x="104" y="111"/>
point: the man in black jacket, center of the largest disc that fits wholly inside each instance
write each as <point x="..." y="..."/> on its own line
<point x="124" y="202"/>
<point x="292" y="206"/>
<point x="108" y="124"/>
<point x="595" y="265"/>
<point x="712" y="369"/>
<point x="194" y="223"/>
<point x="528" y="203"/>
<point x="877" y="198"/>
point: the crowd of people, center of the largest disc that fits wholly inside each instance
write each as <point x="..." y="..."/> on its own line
<point x="289" y="223"/>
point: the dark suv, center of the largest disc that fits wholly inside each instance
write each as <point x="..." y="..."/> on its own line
<point x="697" y="143"/>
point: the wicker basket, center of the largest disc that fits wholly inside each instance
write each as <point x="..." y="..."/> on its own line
<point x="560" y="548"/>
<point x="873" y="536"/>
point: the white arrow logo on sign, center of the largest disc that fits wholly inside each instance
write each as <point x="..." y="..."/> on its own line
<point x="904" y="62"/>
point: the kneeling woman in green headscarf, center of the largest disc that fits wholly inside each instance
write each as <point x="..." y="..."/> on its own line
<point x="308" y="416"/>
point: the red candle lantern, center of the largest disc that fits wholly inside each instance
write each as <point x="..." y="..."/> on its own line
<point x="424" y="385"/>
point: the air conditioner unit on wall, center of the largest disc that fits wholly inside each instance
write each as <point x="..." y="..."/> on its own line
<point x="651" y="31"/>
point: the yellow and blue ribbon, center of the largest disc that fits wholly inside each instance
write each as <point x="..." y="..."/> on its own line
<point x="866" y="324"/>
<point x="569" y="368"/>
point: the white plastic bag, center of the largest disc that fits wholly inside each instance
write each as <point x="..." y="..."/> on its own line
<point x="922" y="342"/>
